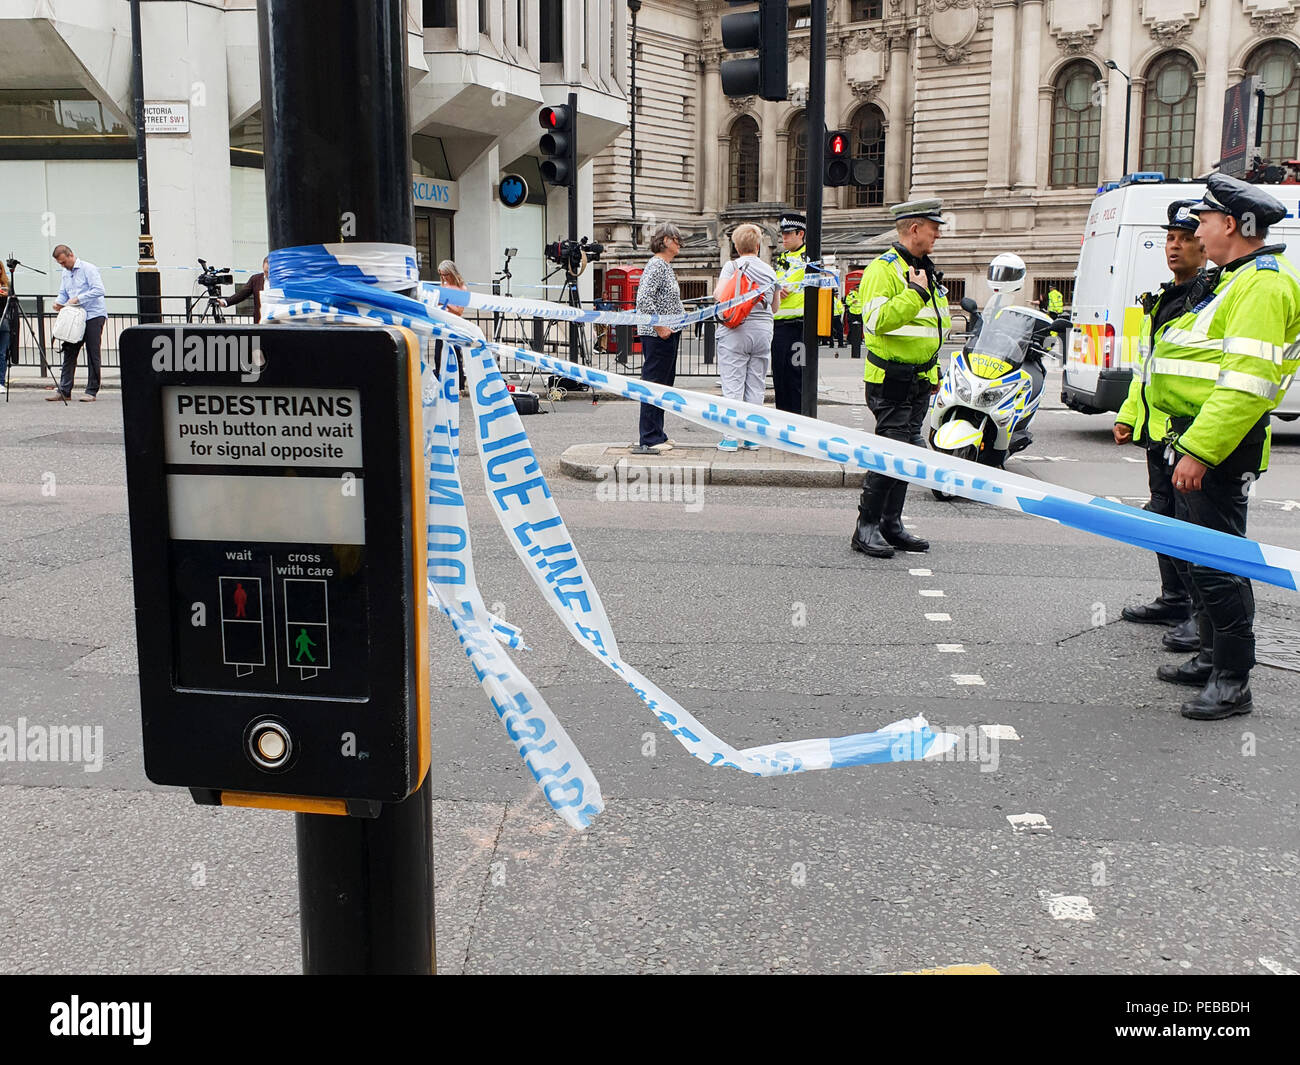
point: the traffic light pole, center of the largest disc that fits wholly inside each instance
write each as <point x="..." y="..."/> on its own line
<point x="813" y="210"/>
<point x="338" y="164"/>
<point x="573" y="213"/>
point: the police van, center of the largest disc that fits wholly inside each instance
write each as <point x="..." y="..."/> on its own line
<point x="1123" y="256"/>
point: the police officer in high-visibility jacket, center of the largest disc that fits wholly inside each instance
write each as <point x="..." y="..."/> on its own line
<point x="904" y="321"/>
<point x="1141" y="422"/>
<point x="1218" y="375"/>
<point x="1055" y="302"/>
<point x="787" y="325"/>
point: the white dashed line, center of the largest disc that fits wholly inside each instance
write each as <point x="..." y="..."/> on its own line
<point x="1277" y="968"/>
<point x="920" y="573"/>
<point x="1029" y="822"/>
<point x="938" y="617"/>
<point x="950" y="648"/>
<point x="1068" y="907"/>
<point x="999" y="732"/>
<point x="932" y="593"/>
<point x="1127" y="459"/>
<point x="967" y="678"/>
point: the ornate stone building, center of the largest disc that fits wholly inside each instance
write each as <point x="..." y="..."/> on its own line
<point x="1005" y="108"/>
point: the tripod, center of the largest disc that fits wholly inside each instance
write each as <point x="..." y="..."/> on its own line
<point x="213" y="308"/>
<point x="20" y="315"/>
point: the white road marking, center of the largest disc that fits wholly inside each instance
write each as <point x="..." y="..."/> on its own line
<point x="999" y="732"/>
<point x="1068" y="907"/>
<point x="1127" y="459"/>
<point x="950" y="648"/>
<point x="1029" y="822"/>
<point x="920" y="573"/>
<point x="932" y="593"/>
<point x="1277" y="968"/>
<point x="1050" y="458"/>
<point x="938" y="617"/>
<point x="967" y="678"/>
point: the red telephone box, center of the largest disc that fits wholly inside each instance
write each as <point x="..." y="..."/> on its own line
<point x="620" y="290"/>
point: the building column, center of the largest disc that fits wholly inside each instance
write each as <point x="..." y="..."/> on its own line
<point x="1046" y="94"/>
<point x="1002" y="75"/>
<point x="1209" y="103"/>
<point x="896" y="136"/>
<point x="711" y="134"/>
<point x="1119" y="47"/>
<point x="477" y="221"/>
<point x="771" y="179"/>
<point x="1027" y="116"/>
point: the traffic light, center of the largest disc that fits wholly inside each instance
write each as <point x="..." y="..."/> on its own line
<point x="836" y="169"/>
<point x="764" y="31"/>
<point x="559" y="145"/>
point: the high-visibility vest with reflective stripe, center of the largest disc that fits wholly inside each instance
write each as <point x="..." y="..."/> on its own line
<point x="1150" y="424"/>
<point x="1055" y="302"/>
<point x="898" y="323"/>
<point x="790" y="267"/>
<point x="1229" y="365"/>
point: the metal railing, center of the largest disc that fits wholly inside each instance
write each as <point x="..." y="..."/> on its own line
<point x="36" y="345"/>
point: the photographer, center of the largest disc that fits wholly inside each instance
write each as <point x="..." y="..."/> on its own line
<point x="81" y="287"/>
<point x="252" y="288"/>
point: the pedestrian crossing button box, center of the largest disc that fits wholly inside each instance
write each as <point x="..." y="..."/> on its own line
<point x="278" y="553"/>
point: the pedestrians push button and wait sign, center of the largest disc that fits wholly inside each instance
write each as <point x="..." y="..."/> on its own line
<point x="279" y="578"/>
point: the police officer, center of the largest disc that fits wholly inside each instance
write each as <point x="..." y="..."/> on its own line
<point x="1140" y="422"/>
<point x="904" y="320"/>
<point x="1055" y="302"/>
<point x="787" y="326"/>
<point x="1218" y="374"/>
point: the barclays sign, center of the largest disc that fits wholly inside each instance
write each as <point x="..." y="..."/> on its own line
<point x="434" y="192"/>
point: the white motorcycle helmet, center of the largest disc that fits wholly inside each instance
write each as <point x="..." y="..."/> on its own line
<point x="1007" y="273"/>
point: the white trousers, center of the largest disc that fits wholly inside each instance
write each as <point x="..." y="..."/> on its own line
<point x="743" y="357"/>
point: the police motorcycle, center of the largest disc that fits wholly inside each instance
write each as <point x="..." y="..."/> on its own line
<point x="991" y="390"/>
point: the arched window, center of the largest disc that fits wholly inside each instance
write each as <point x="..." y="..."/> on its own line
<point x="742" y="162"/>
<point x="796" y="173"/>
<point x="1169" y="116"/>
<point x="1278" y="66"/>
<point x="1076" y="126"/>
<point x="868" y="139"/>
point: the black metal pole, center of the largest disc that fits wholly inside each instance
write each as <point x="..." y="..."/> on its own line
<point x="573" y="221"/>
<point x="337" y="159"/>
<point x="148" y="285"/>
<point x="816" y="149"/>
<point x="633" y="6"/>
<point x="1128" y="111"/>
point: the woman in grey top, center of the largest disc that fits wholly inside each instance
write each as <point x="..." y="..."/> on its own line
<point x="744" y="351"/>
<point x="658" y="293"/>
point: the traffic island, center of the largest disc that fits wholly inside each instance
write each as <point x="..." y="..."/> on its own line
<point x="766" y="466"/>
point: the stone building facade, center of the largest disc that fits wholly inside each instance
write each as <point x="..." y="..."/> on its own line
<point x="1005" y="108"/>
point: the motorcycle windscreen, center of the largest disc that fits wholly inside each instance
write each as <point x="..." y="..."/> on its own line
<point x="1003" y="343"/>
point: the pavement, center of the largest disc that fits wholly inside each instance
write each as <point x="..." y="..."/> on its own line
<point x="1087" y="827"/>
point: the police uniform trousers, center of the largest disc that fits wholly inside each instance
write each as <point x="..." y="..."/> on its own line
<point x="1224" y="603"/>
<point x="900" y="403"/>
<point x="1173" y="582"/>
<point x="787" y="375"/>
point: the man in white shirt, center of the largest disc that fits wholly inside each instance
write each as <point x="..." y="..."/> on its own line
<point x="82" y="287"/>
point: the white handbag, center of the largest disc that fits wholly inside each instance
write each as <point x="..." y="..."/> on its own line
<point x="70" y="325"/>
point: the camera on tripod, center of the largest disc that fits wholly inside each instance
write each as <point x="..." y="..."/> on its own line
<point x="213" y="277"/>
<point x="574" y="255"/>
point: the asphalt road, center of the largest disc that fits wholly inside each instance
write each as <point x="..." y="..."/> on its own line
<point x="1172" y="845"/>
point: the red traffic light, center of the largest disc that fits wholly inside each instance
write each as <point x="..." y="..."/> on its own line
<point x="838" y="145"/>
<point x="553" y="118"/>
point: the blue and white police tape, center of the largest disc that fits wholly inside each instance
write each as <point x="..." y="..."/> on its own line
<point x="314" y="270"/>
<point x="527" y="512"/>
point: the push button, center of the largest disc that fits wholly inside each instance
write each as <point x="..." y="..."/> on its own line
<point x="269" y="744"/>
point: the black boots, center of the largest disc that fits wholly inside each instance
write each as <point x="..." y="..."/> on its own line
<point x="1182" y="638"/>
<point x="891" y="520"/>
<point x="1226" y="694"/>
<point x="867" y="537"/>
<point x="1196" y="671"/>
<point x="1161" y="612"/>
